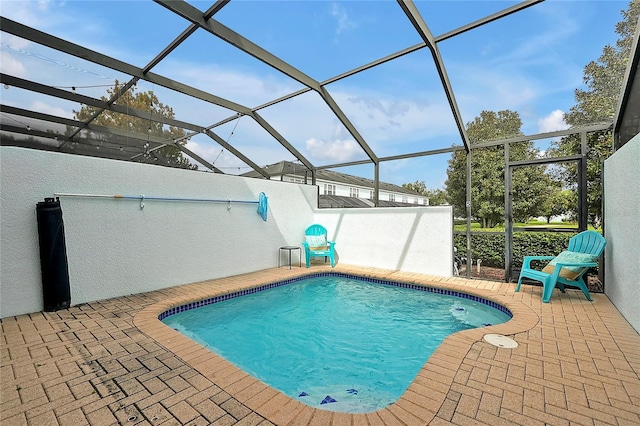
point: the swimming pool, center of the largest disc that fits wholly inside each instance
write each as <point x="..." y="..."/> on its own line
<point x="333" y="341"/>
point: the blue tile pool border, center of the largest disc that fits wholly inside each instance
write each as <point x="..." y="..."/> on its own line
<point x="227" y="296"/>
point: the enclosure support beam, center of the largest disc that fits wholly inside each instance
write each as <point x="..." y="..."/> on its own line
<point x="468" y="208"/>
<point x="547" y="135"/>
<point x="508" y="213"/>
<point x="20" y="30"/>
<point x="583" y="208"/>
<point x="410" y="9"/>
<point x="219" y="30"/>
<point x="98" y="103"/>
<point x="237" y="153"/>
<point x="506" y="12"/>
<point x="376" y="184"/>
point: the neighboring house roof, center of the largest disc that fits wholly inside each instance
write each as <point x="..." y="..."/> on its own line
<point x="290" y="168"/>
<point x="340" y="201"/>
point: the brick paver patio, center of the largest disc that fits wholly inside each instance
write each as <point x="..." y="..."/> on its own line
<point x="112" y="362"/>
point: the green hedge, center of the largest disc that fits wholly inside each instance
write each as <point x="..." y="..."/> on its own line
<point x="490" y="247"/>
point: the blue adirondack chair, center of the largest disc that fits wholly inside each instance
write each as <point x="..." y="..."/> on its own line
<point x="316" y="244"/>
<point x="568" y="267"/>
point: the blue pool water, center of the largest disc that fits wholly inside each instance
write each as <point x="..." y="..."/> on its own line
<point x="336" y="343"/>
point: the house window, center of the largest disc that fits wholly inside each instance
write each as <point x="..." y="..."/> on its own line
<point x="329" y="189"/>
<point x="354" y="192"/>
<point x="405" y="199"/>
<point x="392" y="197"/>
<point x="371" y="195"/>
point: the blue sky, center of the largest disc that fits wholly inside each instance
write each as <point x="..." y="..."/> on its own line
<point x="530" y="62"/>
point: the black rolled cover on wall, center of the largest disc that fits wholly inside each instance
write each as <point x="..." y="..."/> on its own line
<point x="53" y="255"/>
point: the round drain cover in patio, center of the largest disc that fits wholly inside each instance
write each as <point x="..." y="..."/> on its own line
<point x="501" y="341"/>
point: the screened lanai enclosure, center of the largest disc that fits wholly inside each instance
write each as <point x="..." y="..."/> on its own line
<point x="394" y="91"/>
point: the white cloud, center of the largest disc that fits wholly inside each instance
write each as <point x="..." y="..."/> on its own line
<point x="246" y="88"/>
<point x="214" y="154"/>
<point x="343" y="22"/>
<point x="78" y="25"/>
<point x="262" y="155"/>
<point x="45" y="108"/>
<point x="337" y="150"/>
<point x="49" y="16"/>
<point x="210" y="151"/>
<point x="12" y="66"/>
<point x="480" y="88"/>
<point x="395" y="124"/>
<point x="26" y="12"/>
<point x="552" y="122"/>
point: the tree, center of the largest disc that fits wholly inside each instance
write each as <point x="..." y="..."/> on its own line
<point x="418" y="186"/>
<point x="557" y="203"/>
<point x="603" y="79"/>
<point x="437" y="196"/>
<point x="487" y="171"/>
<point x="143" y="101"/>
<point x="531" y="188"/>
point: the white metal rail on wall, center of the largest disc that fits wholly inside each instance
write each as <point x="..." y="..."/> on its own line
<point x="262" y="200"/>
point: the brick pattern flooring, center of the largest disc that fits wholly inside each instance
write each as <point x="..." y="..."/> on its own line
<point x="111" y="362"/>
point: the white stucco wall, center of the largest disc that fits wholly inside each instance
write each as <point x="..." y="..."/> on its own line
<point x="622" y="230"/>
<point x="412" y="239"/>
<point x="114" y="248"/>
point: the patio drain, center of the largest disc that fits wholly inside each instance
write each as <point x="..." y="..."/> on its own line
<point x="501" y="341"/>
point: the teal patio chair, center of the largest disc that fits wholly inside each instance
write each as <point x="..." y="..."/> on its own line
<point x="568" y="267"/>
<point x="316" y="244"/>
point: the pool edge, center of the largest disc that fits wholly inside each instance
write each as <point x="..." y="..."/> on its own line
<point x="419" y="403"/>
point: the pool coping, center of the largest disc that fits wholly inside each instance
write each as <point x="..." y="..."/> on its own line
<point x="419" y="403"/>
